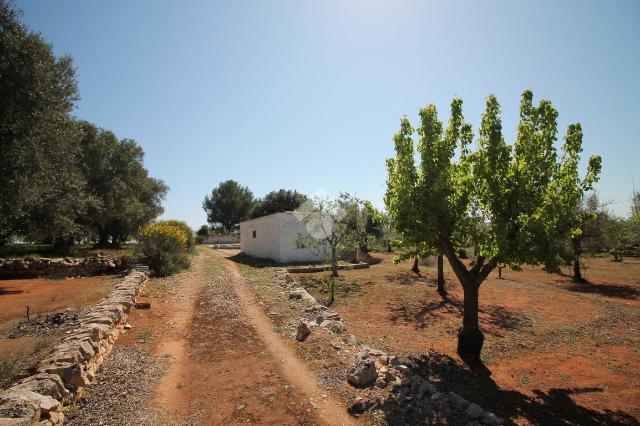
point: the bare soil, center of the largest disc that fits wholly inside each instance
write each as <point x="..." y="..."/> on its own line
<point x="22" y="343"/>
<point x="556" y="352"/>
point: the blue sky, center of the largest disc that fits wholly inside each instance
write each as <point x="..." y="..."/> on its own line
<point x="307" y="95"/>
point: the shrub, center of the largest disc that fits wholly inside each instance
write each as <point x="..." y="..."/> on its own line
<point x="164" y="247"/>
<point x="186" y="229"/>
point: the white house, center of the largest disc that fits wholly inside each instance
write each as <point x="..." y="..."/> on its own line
<point x="274" y="237"/>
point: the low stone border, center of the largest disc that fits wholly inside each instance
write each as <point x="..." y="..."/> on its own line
<point x="32" y="267"/>
<point x="71" y="365"/>
<point x="323" y="268"/>
<point x="224" y="246"/>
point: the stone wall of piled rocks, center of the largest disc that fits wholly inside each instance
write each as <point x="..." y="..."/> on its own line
<point x="384" y="379"/>
<point x="32" y="267"/>
<point x="71" y="365"/>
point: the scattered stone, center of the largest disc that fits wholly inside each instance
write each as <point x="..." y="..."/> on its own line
<point x="143" y="305"/>
<point x="303" y="331"/>
<point x="458" y="402"/>
<point x="350" y="339"/>
<point x="491" y="419"/>
<point x="474" y="411"/>
<point x="358" y="407"/>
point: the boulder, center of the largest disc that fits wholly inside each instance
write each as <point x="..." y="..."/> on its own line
<point x="43" y="402"/>
<point x="303" y="331"/>
<point x="336" y="327"/>
<point x="474" y="411"/>
<point x="363" y="370"/>
<point x="458" y="402"/>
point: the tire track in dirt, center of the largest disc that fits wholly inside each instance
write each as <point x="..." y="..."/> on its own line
<point x="294" y="370"/>
<point x="227" y="365"/>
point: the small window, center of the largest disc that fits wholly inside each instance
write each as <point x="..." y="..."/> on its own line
<point x="254" y="234"/>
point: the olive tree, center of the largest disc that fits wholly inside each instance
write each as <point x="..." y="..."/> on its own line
<point x="331" y="227"/>
<point x="517" y="202"/>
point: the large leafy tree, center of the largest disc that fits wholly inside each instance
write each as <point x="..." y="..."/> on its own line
<point x="229" y="204"/>
<point x="283" y="200"/>
<point x="123" y="197"/>
<point x="41" y="192"/>
<point x="518" y="203"/>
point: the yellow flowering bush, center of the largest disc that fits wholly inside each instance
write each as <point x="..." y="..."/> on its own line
<point x="165" y="247"/>
<point x="167" y="229"/>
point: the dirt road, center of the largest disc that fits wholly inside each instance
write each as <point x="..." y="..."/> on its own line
<point x="226" y="363"/>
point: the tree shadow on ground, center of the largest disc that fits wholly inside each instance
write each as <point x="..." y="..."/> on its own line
<point x="424" y="312"/>
<point x="622" y="291"/>
<point x="554" y="407"/>
<point x="6" y="290"/>
<point x="407" y="278"/>
<point x="254" y="262"/>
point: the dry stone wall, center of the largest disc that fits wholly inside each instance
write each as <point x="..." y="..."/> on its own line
<point x="31" y="267"/>
<point x="71" y="365"/>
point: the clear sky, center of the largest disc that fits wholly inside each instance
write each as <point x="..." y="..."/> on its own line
<point x="307" y="95"/>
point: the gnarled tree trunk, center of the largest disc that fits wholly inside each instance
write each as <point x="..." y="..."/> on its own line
<point x="415" y="266"/>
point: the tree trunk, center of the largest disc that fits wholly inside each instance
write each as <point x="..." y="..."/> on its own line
<point x="500" y="268"/>
<point x="470" y="338"/>
<point x="441" y="288"/>
<point x="415" y="266"/>
<point x="334" y="263"/>
<point x="103" y="238"/>
<point x="577" y="251"/>
<point x="332" y="291"/>
<point x="388" y="246"/>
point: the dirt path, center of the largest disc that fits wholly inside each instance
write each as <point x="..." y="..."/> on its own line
<point x="295" y="371"/>
<point x="226" y="363"/>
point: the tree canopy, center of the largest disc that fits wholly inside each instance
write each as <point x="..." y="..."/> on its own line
<point x="123" y="197"/>
<point x="283" y="200"/>
<point x="40" y="189"/>
<point x="229" y="204"/>
<point x="61" y="180"/>
<point x="516" y="202"/>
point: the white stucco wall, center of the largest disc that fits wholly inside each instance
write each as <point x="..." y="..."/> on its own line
<point x="291" y="225"/>
<point x="266" y="244"/>
<point x="276" y="238"/>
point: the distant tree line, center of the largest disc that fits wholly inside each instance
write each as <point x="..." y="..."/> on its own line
<point x="231" y="203"/>
<point x="63" y="180"/>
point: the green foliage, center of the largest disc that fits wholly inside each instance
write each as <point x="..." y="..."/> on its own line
<point x="229" y="204"/>
<point x="283" y="200"/>
<point x="517" y="202"/>
<point x="164" y="247"/>
<point x="203" y="231"/>
<point x="40" y="190"/>
<point x="61" y="180"/>
<point x="123" y="197"/>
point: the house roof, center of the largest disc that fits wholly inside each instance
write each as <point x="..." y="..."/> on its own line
<point x="271" y="215"/>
